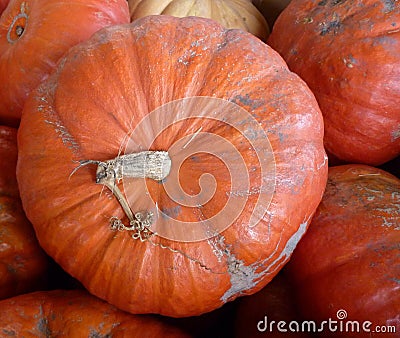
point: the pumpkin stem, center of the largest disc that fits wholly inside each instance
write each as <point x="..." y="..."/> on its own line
<point x="146" y="164"/>
<point x="17" y="27"/>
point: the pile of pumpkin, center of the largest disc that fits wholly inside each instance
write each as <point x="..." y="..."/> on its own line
<point x="323" y="82"/>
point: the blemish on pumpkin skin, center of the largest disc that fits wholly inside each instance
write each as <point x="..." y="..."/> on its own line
<point x="65" y="136"/>
<point x="247" y="101"/>
<point x="245" y="277"/>
<point x="9" y="333"/>
<point x="332" y="3"/>
<point x="395" y="134"/>
<point x="332" y="26"/>
<point x="396" y="280"/>
<point x="389" y="6"/>
<point x="172" y="212"/>
<point x="43" y="323"/>
<point x="95" y="334"/>
<point x="349" y="61"/>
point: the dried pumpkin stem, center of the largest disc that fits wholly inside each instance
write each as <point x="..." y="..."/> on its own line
<point x="146" y="164"/>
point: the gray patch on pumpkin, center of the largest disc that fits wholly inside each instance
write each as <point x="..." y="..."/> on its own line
<point x="246" y="100"/>
<point x="244" y="277"/>
<point x="43" y="324"/>
<point x="96" y="334"/>
<point x="389" y="6"/>
<point x="396" y="280"/>
<point x="10" y="333"/>
<point x="334" y="26"/>
<point x="395" y="134"/>
<point x="391" y="221"/>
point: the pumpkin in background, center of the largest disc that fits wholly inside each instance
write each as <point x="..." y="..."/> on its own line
<point x="75" y="313"/>
<point x="23" y="264"/>
<point x="3" y="5"/>
<point x="349" y="258"/>
<point x="271" y="9"/>
<point x="101" y="103"/>
<point x="258" y="315"/>
<point x="347" y="52"/>
<point x="34" y="34"/>
<point x="240" y="14"/>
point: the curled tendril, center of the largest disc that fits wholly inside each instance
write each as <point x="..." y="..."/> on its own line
<point x="140" y="225"/>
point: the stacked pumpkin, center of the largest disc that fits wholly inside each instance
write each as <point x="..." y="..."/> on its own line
<point x="162" y="156"/>
<point x="23" y="264"/>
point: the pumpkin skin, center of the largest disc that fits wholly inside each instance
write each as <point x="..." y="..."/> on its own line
<point x="168" y="277"/>
<point x="75" y="313"/>
<point x="349" y="258"/>
<point x="3" y="5"/>
<point x="23" y="264"/>
<point x="8" y="163"/>
<point x="240" y="14"/>
<point x="48" y="30"/>
<point x="347" y="52"/>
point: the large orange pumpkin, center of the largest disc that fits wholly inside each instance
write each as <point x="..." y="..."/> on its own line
<point x="75" y="314"/>
<point x="241" y="138"/>
<point x="347" y="52"/>
<point x="34" y="34"/>
<point x="346" y="268"/>
<point x="23" y="264"/>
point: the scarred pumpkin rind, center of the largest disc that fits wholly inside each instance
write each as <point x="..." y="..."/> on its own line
<point x="347" y="52"/>
<point x="141" y="277"/>
<point x="348" y="260"/>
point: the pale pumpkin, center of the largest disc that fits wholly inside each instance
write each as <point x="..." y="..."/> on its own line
<point x="230" y="13"/>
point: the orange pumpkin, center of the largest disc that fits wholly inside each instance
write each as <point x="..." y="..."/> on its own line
<point x="346" y="268"/>
<point x="23" y="264"/>
<point x="3" y="5"/>
<point x="347" y="52"/>
<point x="244" y="137"/>
<point x="75" y="313"/>
<point x="240" y="14"/>
<point x="34" y="34"/>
